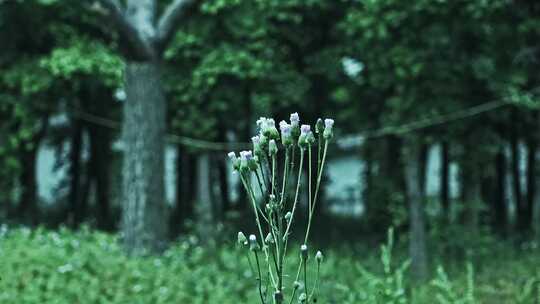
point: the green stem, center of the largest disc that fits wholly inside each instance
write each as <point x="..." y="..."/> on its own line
<point x="259" y="279"/>
<point x="285" y="236"/>
<point x="316" y="192"/>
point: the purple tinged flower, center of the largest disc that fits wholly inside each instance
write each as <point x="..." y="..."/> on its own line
<point x="246" y="155"/>
<point x="232" y="156"/>
<point x="305" y="129"/>
<point x="256" y="140"/>
<point x="285" y="129"/>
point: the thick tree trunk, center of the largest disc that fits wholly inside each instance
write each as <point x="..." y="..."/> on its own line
<point x="143" y="220"/>
<point x="415" y="198"/>
<point x="499" y="207"/>
<point x="445" y="180"/>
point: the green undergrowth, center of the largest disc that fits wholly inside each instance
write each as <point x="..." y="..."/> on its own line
<point x="41" y="266"/>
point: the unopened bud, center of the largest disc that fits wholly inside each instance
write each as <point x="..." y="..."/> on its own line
<point x="242" y="240"/>
<point x="253" y="245"/>
<point x="319" y="126"/>
<point x="296" y="285"/>
<point x="319" y="256"/>
<point x="288" y="216"/>
<point x="269" y="239"/>
<point x="304" y="252"/>
<point x="272" y="147"/>
<point x="328" y="129"/>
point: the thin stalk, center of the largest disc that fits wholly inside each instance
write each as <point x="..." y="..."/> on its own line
<point x="316" y="192"/>
<point x="305" y="276"/>
<point x="259" y="279"/>
<point x="317" y="281"/>
<point x="285" y="236"/>
<point x="257" y="220"/>
<point x="309" y="179"/>
<point x="279" y="242"/>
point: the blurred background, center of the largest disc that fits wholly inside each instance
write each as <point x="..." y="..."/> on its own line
<point x="116" y="118"/>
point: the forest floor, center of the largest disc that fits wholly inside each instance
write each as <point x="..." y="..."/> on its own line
<point x="62" y="266"/>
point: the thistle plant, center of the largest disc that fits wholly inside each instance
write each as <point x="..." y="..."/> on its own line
<point x="275" y="207"/>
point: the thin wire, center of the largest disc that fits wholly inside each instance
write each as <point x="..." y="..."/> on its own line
<point x="351" y="141"/>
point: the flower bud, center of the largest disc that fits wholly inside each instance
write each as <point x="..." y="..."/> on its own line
<point x="245" y="159"/>
<point x="288" y="216"/>
<point x="234" y="160"/>
<point x="306" y="136"/>
<point x="319" y="256"/>
<point x="257" y="148"/>
<point x="319" y="126"/>
<point x="304" y="252"/>
<point x="286" y="135"/>
<point x="302" y="298"/>
<point x="269" y="239"/>
<point x="253" y="245"/>
<point x="272" y="148"/>
<point x="328" y="129"/>
<point x="295" y="126"/>
<point x="296" y="285"/>
<point x="242" y="240"/>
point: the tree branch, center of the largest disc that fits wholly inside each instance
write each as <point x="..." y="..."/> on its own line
<point x="169" y="20"/>
<point x="141" y="47"/>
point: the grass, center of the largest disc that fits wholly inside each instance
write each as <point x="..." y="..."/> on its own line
<point x="42" y="266"/>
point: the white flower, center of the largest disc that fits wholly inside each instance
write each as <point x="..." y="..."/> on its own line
<point x="295" y="119"/>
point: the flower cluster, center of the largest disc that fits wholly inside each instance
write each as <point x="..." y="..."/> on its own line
<point x="274" y="208"/>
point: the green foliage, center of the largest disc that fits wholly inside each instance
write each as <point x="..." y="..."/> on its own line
<point x="40" y="266"/>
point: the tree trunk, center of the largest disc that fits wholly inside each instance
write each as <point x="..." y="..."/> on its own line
<point x="77" y="211"/>
<point x="532" y="149"/>
<point x="415" y="198"/>
<point x="204" y="208"/>
<point x="143" y="220"/>
<point x="445" y="180"/>
<point x="499" y="207"/>
<point x="99" y="169"/>
<point x="28" y="202"/>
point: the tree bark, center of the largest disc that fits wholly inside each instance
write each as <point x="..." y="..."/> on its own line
<point x="415" y="198"/>
<point x="499" y="208"/>
<point x="532" y="149"/>
<point x="143" y="221"/>
<point x="145" y="37"/>
<point x="204" y="208"/>
<point x="445" y="180"/>
<point x="99" y="169"/>
<point x="77" y="211"/>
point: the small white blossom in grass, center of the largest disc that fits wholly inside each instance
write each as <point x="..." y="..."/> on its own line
<point x="328" y="129"/>
<point x="272" y="148"/>
<point x="304" y="252"/>
<point x="319" y="256"/>
<point x="302" y="298"/>
<point x="253" y="245"/>
<point x="234" y="160"/>
<point x="242" y="240"/>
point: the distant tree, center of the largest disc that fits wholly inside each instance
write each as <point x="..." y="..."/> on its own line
<point x="144" y="37"/>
